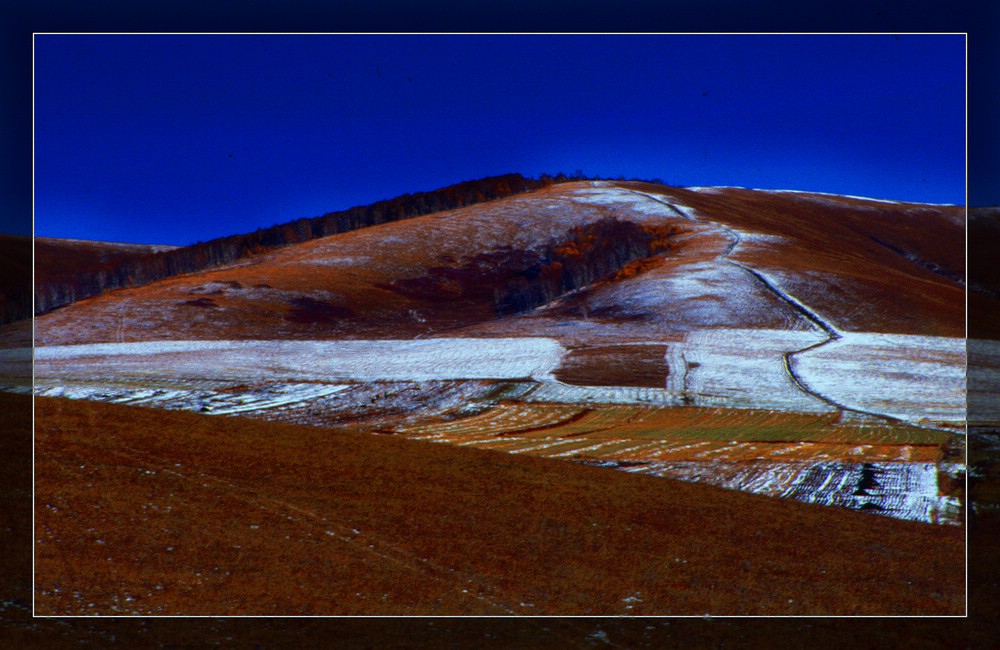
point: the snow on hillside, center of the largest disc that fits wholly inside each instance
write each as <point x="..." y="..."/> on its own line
<point x="631" y="203"/>
<point x="717" y="189"/>
<point x="714" y="189"/>
<point x="819" y="196"/>
<point x="526" y="222"/>
<point x="742" y="368"/>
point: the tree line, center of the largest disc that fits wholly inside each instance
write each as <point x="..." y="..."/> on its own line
<point x="55" y="292"/>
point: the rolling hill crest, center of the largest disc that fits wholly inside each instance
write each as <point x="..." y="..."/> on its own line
<point x="574" y="260"/>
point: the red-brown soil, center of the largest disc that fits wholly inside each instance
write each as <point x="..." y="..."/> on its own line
<point x="174" y="513"/>
<point x="19" y="630"/>
<point x="615" y="365"/>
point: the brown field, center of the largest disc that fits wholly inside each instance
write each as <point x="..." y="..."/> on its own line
<point x="684" y="423"/>
<point x="615" y="365"/>
<point x="146" y="511"/>
<point x="19" y="630"/>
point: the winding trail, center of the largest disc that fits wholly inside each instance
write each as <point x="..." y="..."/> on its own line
<point x="803" y="310"/>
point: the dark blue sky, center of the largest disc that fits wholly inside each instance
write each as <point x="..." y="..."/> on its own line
<point x="174" y="139"/>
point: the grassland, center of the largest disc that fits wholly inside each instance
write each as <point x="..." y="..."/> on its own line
<point x="147" y="511"/>
<point x="19" y="630"/>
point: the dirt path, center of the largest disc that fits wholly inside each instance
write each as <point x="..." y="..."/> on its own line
<point x="815" y="320"/>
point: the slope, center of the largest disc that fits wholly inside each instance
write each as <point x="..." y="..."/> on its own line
<point x="74" y="273"/>
<point x="243" y="517"/>
<point x="709" y="259"/>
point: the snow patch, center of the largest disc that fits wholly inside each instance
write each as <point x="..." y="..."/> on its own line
<point x="918" y="379"/>
<point x="338" y="261"/>
<point x="807" y="194"/>
<point x="898" y="490"/>
<point x="637" y="204"/>
<point x="330" y="361"/>
<point x="569" y="394"/>
<point x="740" y="368"/>
<point x="714" y="189"/>
<point x="761" y="239"/>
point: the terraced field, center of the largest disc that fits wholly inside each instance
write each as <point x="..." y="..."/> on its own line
<point x="364" y="406"/>
<point x="815" y="458"/>
<point x="680" y="424"/>
<point x="806" y="457"/>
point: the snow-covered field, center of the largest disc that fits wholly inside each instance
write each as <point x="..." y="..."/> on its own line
<point x="15" y="366"/>
<point x="226" y="401"/>
<point x="328" y="361"/>
<point x="569" y="394"/>
<point x="307" y="403"/>
<point x="899" y="490"/>
<point x="918" y="379"/>
<point x="742" y="369"/>
<point x="984" y="382"/>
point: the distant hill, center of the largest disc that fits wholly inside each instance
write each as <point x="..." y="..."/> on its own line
<point x="68" y="271"/>
<point x="81" y="266"/>
<point x="15" y="278"/>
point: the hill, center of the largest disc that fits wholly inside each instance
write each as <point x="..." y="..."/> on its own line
<point x="683" y="260"/>
<point x="793" y="345"/>
<point x="15" y="285"/>
<point x="67" y="271"/>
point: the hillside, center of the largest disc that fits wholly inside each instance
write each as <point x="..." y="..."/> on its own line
<point x="15" y="285"/>
<point x="238" y="517"/>
<point x="69" y="270"/>
<point x="61" y="270"/>
<point x="721" y="253"/>
<point x="802" y="347"/>
<point x="984" y="275"/>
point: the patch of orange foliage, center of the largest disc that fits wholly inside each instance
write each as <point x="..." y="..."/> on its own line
<point x="635" y="267"/>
